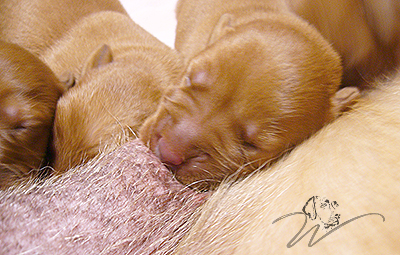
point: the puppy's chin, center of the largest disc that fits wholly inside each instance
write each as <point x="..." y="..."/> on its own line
<point x="204" y="173"/>
<point x="197" y="174"/>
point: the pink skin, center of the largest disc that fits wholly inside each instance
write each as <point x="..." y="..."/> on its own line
<point x="176" y="150"/>
<point x="126" y="202"/>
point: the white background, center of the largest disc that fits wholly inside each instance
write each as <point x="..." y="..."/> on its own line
<point x="156" y="16"/>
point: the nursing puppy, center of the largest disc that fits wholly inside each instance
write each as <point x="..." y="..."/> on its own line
<point x="119" y="72"/>
<point x="353" y="161"/>
<point x="120" y="86"/>
<point x="28" y="96"/>
<point x="259" y="81"/>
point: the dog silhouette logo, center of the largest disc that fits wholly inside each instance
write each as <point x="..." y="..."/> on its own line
<point x="321" y="209"/>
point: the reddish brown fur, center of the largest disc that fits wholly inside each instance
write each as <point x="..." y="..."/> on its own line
<point x="119" y="71"/>
<point x="30" y="25"/>
<point x="259" y="81"/>
<point x="113" y="98"/>
<point x="28" y="96"/>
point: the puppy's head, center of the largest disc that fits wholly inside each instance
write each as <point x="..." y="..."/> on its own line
<point x="28" y="96"/>
<point x="260" y="89"/>
<point x="108" y="104"/>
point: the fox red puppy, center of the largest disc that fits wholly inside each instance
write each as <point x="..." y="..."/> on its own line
<point x="28" y="96"/>
<point x="259" y="80"/>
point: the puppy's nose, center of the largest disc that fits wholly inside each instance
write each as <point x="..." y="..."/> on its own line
<point x="168" y="154"/>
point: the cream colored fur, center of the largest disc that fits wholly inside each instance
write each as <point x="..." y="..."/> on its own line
<point x="354" y="161"/>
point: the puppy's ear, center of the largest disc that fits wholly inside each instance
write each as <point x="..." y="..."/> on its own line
<point x="67" y="80"/>
<point x="343" y="99"/>
<point x="101" y="56"/>
<point x="309" y="208"/>
<point x="224" y="26"/>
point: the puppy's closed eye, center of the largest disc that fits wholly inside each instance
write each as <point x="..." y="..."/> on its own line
<point x="250" y="146"/>
<point x="12" y="114"/>
<point x="197" y="81"/>
<point x="248" y="137"/>
<point x="20" y="127"/>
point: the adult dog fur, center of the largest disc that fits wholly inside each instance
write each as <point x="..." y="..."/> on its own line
<point x="259" y="81"/>
<point x="119" y="71"/>
<point x="353" y="161"/>
<point x="29" y="91"/>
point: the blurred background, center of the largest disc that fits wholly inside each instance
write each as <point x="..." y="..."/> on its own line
<point x="156" y="16"/>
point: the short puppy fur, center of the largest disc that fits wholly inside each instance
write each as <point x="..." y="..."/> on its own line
<point x="119" y="71"/>
<point x="259" y="80"/>
<point x="29" y="91"/>
<point x="120" y="86"/>
<point x="30" y="25"/>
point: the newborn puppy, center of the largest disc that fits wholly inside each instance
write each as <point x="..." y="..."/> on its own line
<point x="120" y="86"/>
<point x="259" y="80"/>
<point x="28" y="96"/>
<point x="119" y="71"/>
